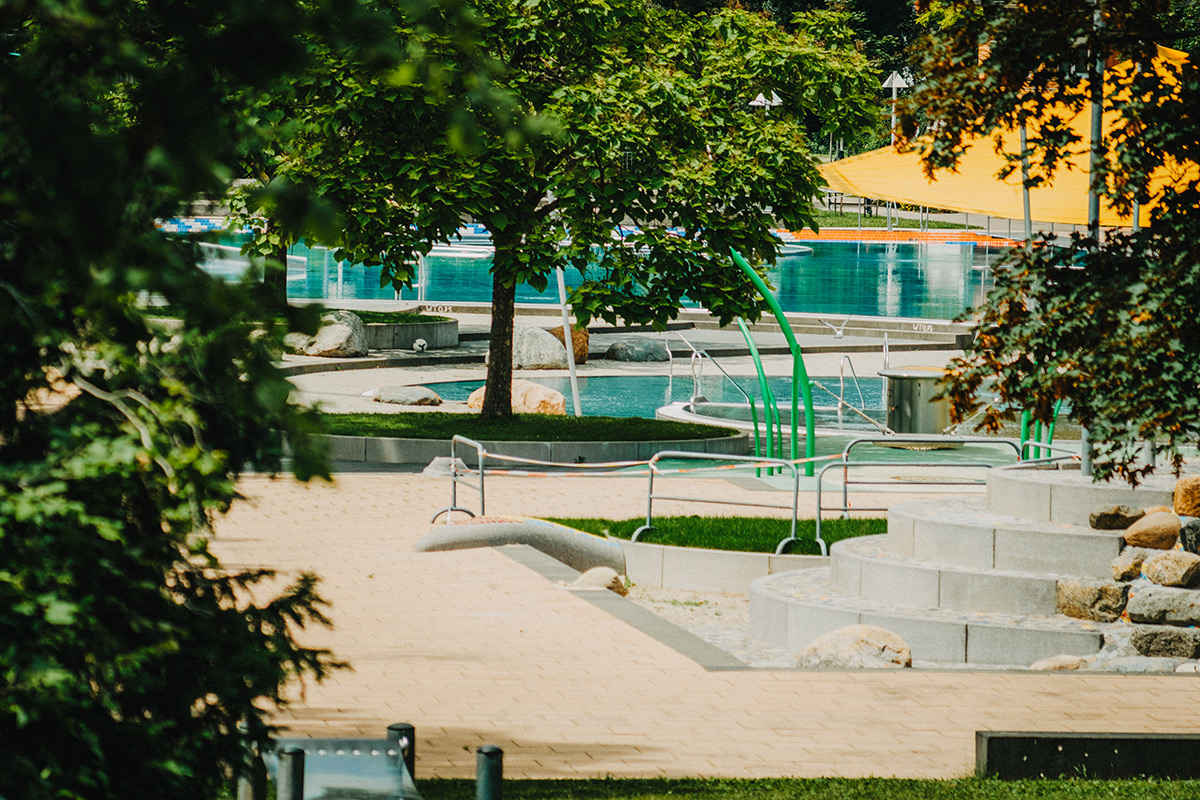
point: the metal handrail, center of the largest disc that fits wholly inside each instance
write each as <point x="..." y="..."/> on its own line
<point x="698" y="356"/>
<point x="853" y="374"/>
<point x="841" y="403"/>
<point x="778" y="463"/>
<point x="846" y="464"/>
<point x="481" y="456"/>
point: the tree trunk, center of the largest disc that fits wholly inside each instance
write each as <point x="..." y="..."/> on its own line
<point x="275" y="279"/>
<point x="497" y="397"/>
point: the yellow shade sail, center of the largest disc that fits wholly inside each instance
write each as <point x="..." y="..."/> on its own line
<point x="974" y="188"/>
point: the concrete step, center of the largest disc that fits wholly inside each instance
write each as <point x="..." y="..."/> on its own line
<point x="965" y="532"/>
<point x="867" y="568"/>
<point x="791" y="609"/>
<point x="1061" y="494"/>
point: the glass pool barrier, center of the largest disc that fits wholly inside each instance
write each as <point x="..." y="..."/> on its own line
<point x="931" y="280"/>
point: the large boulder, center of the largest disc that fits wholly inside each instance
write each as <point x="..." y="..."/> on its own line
<point x="1164" y="641"/>
<point x="1173" y="568"/>
<point x="1128" y="565"/>
<point x="407" y="396"/>
<point x="342" y="335"/>
<point x="856" y="647"/>
<point x="527" y="398"/>
<point x="1114" y="518"/>
<point x="1163" y="605"/>
<point x="534" y="348"/>
<point x="296" y="343"/>
<point x="637" y="350"/>
<point x="1097" y="600"/>
<point x="1187" y="496"/>
<point x="1189" y="534"/>
<point x="580" y="341"/>
<point x="1157" y="531"/>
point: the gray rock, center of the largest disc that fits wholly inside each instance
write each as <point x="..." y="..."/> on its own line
<point x="1189" y="666"/>
<point x="1128" y="565"/>
<point x="1173" y="568"/>
<point x="342" y="335"/>
<point x="296" y="343"/>
<point x="856" y="647"/>
<point x="1083" y="598"/>
<point x="1114" y="518"/>
<point x="1132" y="664"/>
<point x="1165" y="641"/>
<point x="534" y="348"/>
<point x="1189" y="534"/>
<point x="637" y="350"/>
<point x="1163" y="605"/>
<point x="407" y="396"/>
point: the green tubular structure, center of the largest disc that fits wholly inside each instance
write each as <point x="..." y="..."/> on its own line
<point x="1038" y="429"/>
<point x="800" y="383"/>
<point x="762" y="385"/>
<point x="1025" y="417"/>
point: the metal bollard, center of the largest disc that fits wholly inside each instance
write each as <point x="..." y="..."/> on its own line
<point x="252" y="785"/>
<point x="290" y="784"/>
<point x="406" y="735"/>
<point x="1085" y="453"/>
<point x="489" y="772"/>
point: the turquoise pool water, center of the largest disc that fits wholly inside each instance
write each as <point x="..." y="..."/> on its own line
<point x="925" y="281"/>
<point x="642" y="395"/>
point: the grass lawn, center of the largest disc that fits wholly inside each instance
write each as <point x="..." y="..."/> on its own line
<point x="747" y="534"/>
<point x="819" y="789"/>
<point x="523" y="428"/>
<point x="833" y="219"/>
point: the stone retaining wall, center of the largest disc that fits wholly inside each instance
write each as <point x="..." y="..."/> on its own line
<point x="383" y="450"/>
<point x="395" y="336"/>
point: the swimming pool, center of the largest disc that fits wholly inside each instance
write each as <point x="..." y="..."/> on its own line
<point x="643" y="395"/>
<point x="880" y="279"/>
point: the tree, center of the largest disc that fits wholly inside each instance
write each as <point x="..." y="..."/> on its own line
<point x="128" y="657"/>
<point x="635" y="116"/>
<point x="1108" y="323"/>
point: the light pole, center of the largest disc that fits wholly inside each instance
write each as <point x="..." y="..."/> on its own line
<point x="894" y="82"/>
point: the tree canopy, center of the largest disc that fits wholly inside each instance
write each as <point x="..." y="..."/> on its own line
<point x="634" y="116"/>
<point x="1109" y="322"/>
<point x="128" y="657"/>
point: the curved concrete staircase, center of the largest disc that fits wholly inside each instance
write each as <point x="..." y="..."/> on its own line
<point x="966" y="579"/>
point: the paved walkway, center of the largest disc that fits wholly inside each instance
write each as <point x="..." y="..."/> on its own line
<point x="472" y="647"/>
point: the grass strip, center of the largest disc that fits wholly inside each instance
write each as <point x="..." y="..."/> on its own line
<point x="745" y="534"/>
<point x="521" y="428"/>
<point x="819" y="789"/>
<point x="399" y="317"/>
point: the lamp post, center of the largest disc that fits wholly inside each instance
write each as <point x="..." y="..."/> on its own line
<point x="894" y="82"/>
<point x="763" y="102"/>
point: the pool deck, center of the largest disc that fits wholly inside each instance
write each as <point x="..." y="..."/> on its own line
<point x="483" y="646"/>
<point x="479" y="646"/>
<point x="341" y="391"/>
